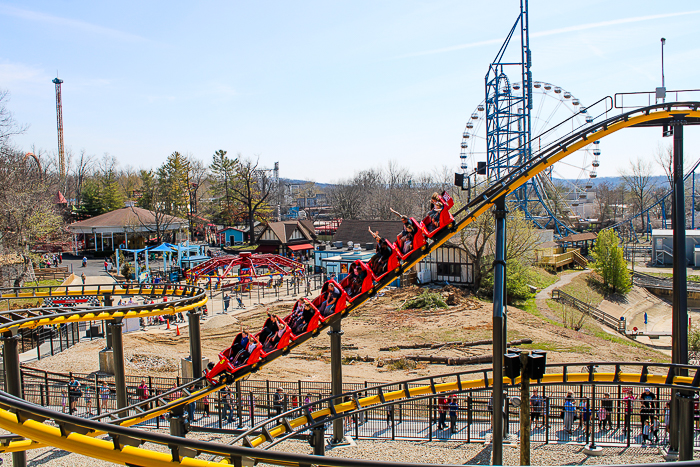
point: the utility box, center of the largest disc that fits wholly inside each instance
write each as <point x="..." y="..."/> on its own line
<point x="107" y="361"/>
<point x="186" y="366"/>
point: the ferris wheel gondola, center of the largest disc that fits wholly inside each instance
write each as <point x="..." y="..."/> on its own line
<point x="551" y="104"/>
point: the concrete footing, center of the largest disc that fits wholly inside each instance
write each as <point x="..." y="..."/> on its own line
<point x="107" y="361"/>
<point x="593" y="451"/>
<point x="186" y="366"/>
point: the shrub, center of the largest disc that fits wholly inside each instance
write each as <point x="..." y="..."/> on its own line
<point x="425" y="300"/>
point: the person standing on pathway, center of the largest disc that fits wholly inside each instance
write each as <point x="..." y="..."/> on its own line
<point x="442" y="413"/>
<point x="227" y="302"/>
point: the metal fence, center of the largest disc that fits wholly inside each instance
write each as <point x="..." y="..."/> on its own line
<point x="621" y="423"/>
<point x="50" y="340"/>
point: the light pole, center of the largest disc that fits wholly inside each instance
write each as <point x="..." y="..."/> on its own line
<point x="663" y="78"/>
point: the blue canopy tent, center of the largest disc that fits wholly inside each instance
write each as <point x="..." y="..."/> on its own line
<point x="167" y="249"/>
<point x="136" y="263"/>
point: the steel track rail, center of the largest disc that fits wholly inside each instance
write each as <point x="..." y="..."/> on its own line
<point x="544" y="159"/>
<point x="124" y="445"/>
<point x="296" y="421"/>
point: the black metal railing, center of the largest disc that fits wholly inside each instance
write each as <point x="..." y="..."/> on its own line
<point x="580" y="305"/>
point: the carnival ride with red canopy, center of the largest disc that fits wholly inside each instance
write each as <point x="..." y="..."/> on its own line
<point x="244" y="268"/>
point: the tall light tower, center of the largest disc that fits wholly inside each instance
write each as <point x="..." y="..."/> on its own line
<point x="59" y="125"/>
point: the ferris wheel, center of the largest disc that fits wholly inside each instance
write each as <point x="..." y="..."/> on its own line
<point x="561" y="190"/>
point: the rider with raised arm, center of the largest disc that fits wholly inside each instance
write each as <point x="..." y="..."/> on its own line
<point x="405" y="238"/>
<point x="380" y="260"/>
<point x="433" y="217"/>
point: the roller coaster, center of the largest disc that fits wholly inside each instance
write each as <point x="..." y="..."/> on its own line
<point x="79" y="435"/>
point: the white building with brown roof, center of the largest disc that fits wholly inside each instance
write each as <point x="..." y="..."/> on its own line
<point x="130" y="226"/>
<point x="285" y="237"/>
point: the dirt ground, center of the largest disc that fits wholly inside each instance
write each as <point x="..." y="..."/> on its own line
<point x="379" y="323"/>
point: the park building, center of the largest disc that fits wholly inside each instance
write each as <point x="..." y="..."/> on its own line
<point x="287" y="238"/>
<point x="352" y="241"/>
<point x="129" y="227"/>
<point x="662" y="247"/>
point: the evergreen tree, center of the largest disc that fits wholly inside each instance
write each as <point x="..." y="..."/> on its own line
<point x="91" y="203"/>
<point x="223" y="170"/>
<point x="149" y="187"/>
<point x="110" y="192"/>
<point x="172" y="183"/>
<point x="610" y="262"/>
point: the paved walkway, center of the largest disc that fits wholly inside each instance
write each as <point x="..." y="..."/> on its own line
<point x="546" y="293"/>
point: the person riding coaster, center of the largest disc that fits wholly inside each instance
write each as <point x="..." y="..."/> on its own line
<point x="379" y="262"/>
<point x="404" y="240"/>
<point x="357" y="281"/>
<point x="302" y="316"/>
<point x="272" y="332"/>
<point x="433" y="216"/>
<point x="332" y="294"/>
<point x="439" y="215"/>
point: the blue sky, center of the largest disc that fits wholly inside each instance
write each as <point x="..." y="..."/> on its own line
<point x="325" y="88"/>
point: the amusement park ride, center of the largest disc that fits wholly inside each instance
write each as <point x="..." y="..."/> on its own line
<point x="515" y="167"/>
<point x="244" y="270"/>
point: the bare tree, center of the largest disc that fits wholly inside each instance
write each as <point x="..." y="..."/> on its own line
<point x="251" y="190"/>
<point x="638" y="181"/>
<point x="8" y="126"/>
<point x="605" y="199"/>
<point x="197" y="175"/>
<point x="129" y="181"/>
<point x="664" y="157"/>
<point x="28" y="213"/>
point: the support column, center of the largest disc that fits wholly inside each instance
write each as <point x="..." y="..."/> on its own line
<point x="195" y="342"/>
<point x="336" y="376"/>
<point x="686" y="432"/>
<point x="177" y="422"/>
<point x="498" y="341"/>
<point x="239" y="404"/>
<point x="318" y="441"/>
<point x="524" y="410"/>
<point x="680" y="284"/>
<point x="108" y="333"/>
<point x="118" y="349"/>
<point x="13" y="382"/>
<point x="679" y="349"/>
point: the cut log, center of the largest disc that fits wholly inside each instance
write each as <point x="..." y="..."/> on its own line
<point x="434" y="345"/>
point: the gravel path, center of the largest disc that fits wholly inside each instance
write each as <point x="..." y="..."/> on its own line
<point x="397" y="451"/>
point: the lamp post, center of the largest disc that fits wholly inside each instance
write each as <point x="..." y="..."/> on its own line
<point x="663" y="78"/>
<point x="661" y="93"/>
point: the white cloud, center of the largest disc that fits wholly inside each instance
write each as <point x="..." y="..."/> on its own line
<point x="69" y="23"/>
<point x="13" y="75"/>
<point x="551" y="32"/>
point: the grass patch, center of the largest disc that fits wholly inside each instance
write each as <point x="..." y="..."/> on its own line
<point x="587" y="288"/>
<point x="541" y="278"/>
<point x="553" y="347"/>
<point x="18" y="304"/>
<point x="668" y="275"/>
<point x="530" y="306"/>
<point x="401" y="364"/>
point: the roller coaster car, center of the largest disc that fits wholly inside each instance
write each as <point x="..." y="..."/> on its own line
<point x="282" y="343"/>
<point x="340" y="304"/>
<point x="366" y="282"/>
<point x="445" y="216"/>
<point x="391" y="264"/>
<point x="226" y="366"/>
<point x="311" y="325"/>
<point x="418" y="240"/>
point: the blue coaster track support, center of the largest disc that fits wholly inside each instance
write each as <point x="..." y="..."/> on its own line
<point x="509" y="128"/>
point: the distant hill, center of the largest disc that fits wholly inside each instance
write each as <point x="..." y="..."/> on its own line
<point x="294" y="181"/>
<point x="656" y="180"/>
